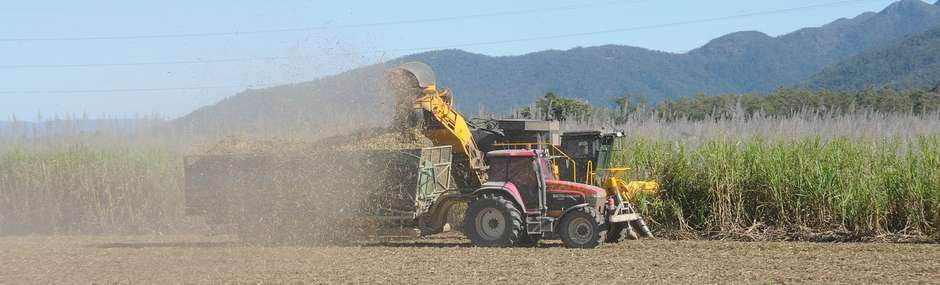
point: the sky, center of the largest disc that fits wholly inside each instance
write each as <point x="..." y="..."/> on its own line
<point x="121" y="59"/>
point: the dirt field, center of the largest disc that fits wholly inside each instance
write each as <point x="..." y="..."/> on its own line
<point x="448" y="260"/>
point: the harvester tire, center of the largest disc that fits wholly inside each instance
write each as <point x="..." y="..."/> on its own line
<point x="582" y="228"/>
<point x="493" y="221"/>
<point x="619" y="232"/>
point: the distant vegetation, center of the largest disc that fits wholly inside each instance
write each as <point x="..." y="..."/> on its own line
<point x="92" y="176"/>
<point x="786" y="102"/>
<point x="77" y="188"/>
<point x="860" y="187"/>
<point x="859" y="174"/>
<point x="781" y="103"/>
<point x="559" y="108"/>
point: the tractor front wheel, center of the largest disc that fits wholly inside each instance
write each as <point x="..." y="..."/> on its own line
<point x="493" y="221"/>
<point x="582" y="228"/>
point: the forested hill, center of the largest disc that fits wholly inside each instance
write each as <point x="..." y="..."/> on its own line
<point x="910" y="63"/>
<point x="735" y="63"/>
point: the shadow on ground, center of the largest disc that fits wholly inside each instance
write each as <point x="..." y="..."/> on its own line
<point x="444" y="241"/>
<point x="214" y="244"/>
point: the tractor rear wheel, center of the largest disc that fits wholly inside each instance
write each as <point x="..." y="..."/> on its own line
<point x="582" y="228"/>
<point x="493" y="221"/>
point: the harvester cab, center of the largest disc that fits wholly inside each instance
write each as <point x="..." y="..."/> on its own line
<point x="592" y="153"/>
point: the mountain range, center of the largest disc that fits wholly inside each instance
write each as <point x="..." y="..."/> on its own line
<point x="747" y="61"/>
<point x="911" y="63"/>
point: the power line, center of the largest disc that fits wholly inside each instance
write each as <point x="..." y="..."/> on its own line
<point x="760" y="13"/>
<point x="637" y="28"/>
<point x="495" y="42"/>
<point x="195" y="61"/>
<point x="326" y="27"/>
<point x="118" y="90"/>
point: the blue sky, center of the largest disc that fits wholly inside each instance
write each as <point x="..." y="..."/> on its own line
<point x="295" y="56"/>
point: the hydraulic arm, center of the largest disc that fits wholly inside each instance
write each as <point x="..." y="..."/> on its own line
<point x="422" y="105"/>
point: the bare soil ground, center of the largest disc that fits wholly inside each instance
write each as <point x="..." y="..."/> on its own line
<point x="450" y="260"/>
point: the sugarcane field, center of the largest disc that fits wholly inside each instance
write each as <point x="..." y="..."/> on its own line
<point x="306" y="142"/>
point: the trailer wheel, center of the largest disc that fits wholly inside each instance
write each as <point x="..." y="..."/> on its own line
<point x="582" y="228"/>
<point x="493" y="221"/>
<point x="619" y="232"/>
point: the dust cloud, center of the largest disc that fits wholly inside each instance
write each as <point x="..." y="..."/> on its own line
<point x="299" y="190"/>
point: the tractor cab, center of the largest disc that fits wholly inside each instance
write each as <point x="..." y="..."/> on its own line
<point x="522" y="171"/>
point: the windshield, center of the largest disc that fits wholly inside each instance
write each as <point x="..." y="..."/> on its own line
<point x="515" y="169"/>
<point x="580" y="147"/>
<point x="520" y="171"/>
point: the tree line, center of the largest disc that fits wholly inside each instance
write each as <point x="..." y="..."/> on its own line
<point x="782" y="102"/>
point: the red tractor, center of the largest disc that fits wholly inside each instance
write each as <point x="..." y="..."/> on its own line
<point x="522" y="202"/>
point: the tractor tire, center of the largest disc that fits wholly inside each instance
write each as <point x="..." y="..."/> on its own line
<point x="493" y="221"/>
<point x="619" y="232"/>
<point x="582" y="228"/>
